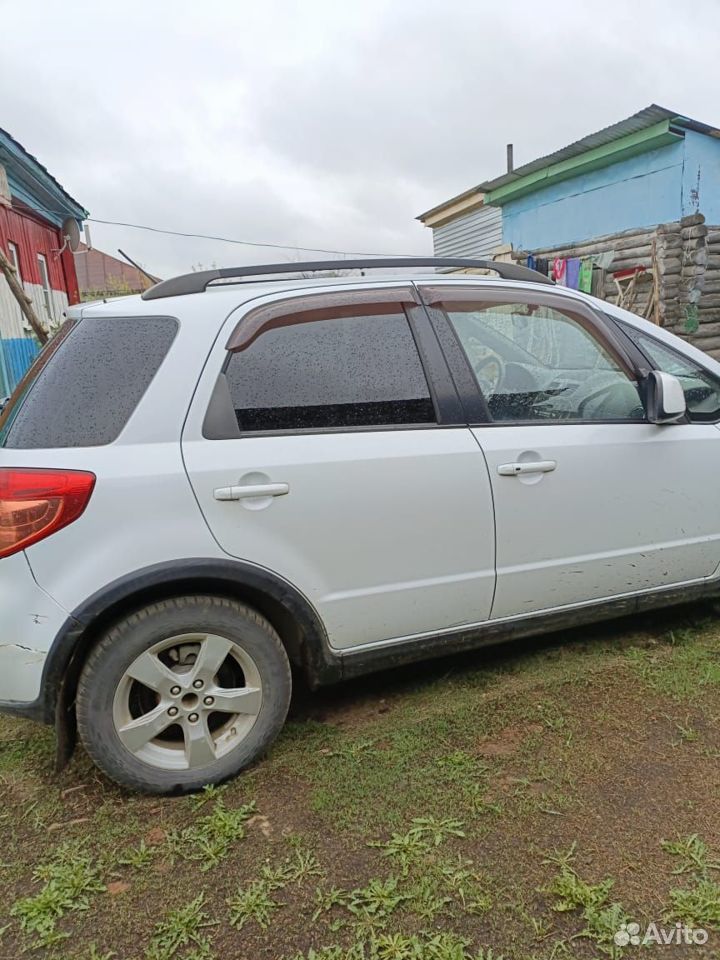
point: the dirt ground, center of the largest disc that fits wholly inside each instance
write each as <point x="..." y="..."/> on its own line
<point x="533" y="801"/>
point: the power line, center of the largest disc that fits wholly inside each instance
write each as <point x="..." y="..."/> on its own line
<point x="247" y="243"/>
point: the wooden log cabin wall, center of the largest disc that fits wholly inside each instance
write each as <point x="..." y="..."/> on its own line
<point x="669" y="273"/>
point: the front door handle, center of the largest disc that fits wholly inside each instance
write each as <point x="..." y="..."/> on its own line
<point x="246" y="491"/>
<point x="533" y="466"/>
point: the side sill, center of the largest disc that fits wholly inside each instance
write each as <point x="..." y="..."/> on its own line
<point x="389" y="655"/>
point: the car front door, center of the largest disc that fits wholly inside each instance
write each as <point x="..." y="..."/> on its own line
<point x="591" y="500"/>
<point x="331" y="450"/>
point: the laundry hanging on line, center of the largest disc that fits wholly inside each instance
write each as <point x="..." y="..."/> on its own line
<point x="572" y="272"/>
<point x="579" y="273"/>
<point x="585" y="275"/>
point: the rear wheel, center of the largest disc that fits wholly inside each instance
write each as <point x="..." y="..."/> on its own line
<point x="183" y="693"/>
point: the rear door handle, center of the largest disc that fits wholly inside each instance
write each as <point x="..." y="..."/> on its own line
<point x="534" y="466"/>
<point x="246" y="491"/>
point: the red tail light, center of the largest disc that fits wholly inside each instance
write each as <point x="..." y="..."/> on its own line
<point x="35" y="503"/>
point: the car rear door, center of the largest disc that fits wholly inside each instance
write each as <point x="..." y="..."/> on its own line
<point x="326" y="443"/>
<point x="591" y="501"/>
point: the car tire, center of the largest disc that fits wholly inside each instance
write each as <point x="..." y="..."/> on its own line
<point x="183" y="693"/>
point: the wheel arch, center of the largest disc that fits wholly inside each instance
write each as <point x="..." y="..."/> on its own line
<point x="286" y="608"/>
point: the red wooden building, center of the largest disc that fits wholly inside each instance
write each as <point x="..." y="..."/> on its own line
<point x="33" y="209"/>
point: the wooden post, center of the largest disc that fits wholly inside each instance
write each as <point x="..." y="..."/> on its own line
<point x="656" y="283"/>
<point x="23" y="299"/>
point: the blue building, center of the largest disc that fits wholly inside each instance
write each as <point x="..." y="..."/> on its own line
<point x="641" y="196"/>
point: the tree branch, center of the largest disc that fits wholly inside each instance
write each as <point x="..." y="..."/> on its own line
<point x="22" y="298"/>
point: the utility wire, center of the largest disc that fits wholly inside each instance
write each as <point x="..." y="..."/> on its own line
<point x="247" y="243"/>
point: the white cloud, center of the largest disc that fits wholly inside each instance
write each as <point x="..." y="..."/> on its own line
<point x="323" y="123"/>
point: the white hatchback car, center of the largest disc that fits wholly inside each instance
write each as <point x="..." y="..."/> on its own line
<point x="207" y="484"/>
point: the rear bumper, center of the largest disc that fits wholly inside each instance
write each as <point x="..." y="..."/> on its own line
<point x="30" y="620"/>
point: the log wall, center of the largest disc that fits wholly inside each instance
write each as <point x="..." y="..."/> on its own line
<point x="687" y="258"/>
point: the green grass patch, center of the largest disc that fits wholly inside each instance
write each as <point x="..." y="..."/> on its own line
<point x="208" y="840"/>
<point x="683" y="667"/>
<point x="398" y="946"/>
<point x="571" y="894"/>
<point x="182" y="934"/>
<point x="69" y="879"/>
<point x="255" y="900"/>
<point x="24" y="746"/>
<point x="693" y="855"/>
<point x="697" y="905"/>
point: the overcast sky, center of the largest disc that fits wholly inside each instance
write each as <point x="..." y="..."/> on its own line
<point x="320" y="123"/>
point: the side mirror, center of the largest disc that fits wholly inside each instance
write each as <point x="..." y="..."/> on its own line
<point x="664" y="398"/>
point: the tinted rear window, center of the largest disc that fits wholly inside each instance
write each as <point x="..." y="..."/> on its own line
<point x="332" y="373"/>
<point x="84" y="386"/>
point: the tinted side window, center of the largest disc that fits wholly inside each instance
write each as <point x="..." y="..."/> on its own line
<point x="535" y="362"/>
<point x="83" y="391"/>
<point x="345" y="371"/>
<point x="701" y="388"/>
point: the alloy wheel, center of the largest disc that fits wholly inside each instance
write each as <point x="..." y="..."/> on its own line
<point x="187" y="701"/>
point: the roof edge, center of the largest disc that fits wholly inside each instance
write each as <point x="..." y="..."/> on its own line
<point x="23" y="155"/>
<point x="649" y="138"/>
<point x="435" y="213"/>
<point x="643" y="119"/>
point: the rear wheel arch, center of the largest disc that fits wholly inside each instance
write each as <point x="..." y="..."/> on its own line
<point x="287" y="610"/>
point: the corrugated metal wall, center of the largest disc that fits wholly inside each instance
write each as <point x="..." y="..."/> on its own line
<point x="31" y="237"/>
<point x="15" y="357"/>
<point x="475" y="234"/>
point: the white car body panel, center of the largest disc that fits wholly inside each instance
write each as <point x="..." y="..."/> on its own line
<point x="385" y="532"/>
<point x="31" y="620"/>
<point x="142" y="512"/>
<point x="628" y="508"/>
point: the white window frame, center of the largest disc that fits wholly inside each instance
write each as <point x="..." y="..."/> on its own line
<point x="15" y="259"/>
<point x="47" y="290"/>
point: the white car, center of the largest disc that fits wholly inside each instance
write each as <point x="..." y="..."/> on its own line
<point x="240" y="472"/>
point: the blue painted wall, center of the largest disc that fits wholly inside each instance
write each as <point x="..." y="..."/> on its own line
<point x="655" y="187"/>
<point x="701" y="177"/>
<point x="16" y="355"/>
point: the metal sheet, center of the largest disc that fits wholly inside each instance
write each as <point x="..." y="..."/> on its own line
<point x="475" y="234"/>
<point x="638" y="121"/>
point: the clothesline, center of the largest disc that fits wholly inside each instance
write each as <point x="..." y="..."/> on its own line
<point x="578" y="273"/>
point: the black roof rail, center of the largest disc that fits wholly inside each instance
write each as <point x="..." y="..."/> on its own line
<point x="198" y="282"/>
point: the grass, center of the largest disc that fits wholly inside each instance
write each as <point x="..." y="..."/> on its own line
<point x="68" y="880"/>
<point x="209" y="838"/>
<point x="697" y="905"/>
<point x="138" y="857"/>
<point x="255" y="901"/>
<point x="571" y="894"/>
<point x="182" y="934"/>
<point x="693" y="855"/>
<point x="398" y="946"/>
<point x="683" y="668"/>
<point x="403" y="817"/>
